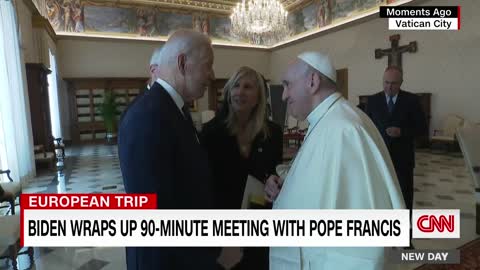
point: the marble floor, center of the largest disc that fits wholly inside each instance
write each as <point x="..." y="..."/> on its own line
<point x="441" y="182"/>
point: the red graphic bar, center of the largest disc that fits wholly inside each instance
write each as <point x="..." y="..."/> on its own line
<point x="88" y="201"/>
<point x="458" y="18"/>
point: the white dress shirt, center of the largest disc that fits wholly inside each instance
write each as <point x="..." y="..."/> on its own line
<point x="173" y="93"/>
<point x="176" y="98"/>
<point x="394" y="98"/>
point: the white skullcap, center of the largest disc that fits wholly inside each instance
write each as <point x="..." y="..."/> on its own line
<point x="320" y="62"/>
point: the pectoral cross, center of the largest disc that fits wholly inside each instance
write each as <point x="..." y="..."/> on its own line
<point x="395" y="52"/>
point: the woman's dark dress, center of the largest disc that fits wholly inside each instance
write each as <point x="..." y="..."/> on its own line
<point x="230" y="170"/>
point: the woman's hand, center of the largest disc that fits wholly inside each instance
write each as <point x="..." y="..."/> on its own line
<point x="272" y="187"/>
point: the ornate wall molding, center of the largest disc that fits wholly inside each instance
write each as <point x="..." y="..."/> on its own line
<point x="41" y="22"/>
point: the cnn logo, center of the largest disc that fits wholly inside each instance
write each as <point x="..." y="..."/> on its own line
<point x="436" y="223"/>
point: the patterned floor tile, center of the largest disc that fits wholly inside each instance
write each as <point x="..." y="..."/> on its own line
<point x="466" y="215"/>
<point x="109" y="187"/>
<point x="463" y="191"/>
<point x="423" y="204"/>
<point x="93" y="264"/>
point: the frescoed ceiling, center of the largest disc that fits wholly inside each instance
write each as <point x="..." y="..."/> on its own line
<point x="223" y="7"/>
<point x="156" y="19"/>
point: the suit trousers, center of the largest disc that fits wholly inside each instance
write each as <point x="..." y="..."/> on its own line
<point x="405" y="178"/>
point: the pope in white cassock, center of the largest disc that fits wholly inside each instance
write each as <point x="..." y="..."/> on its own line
<point x="342" y="164"/>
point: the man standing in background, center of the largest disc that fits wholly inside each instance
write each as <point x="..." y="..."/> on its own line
<point x="399" y="117"/>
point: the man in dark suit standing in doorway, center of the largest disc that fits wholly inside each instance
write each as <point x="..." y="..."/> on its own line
<point x="399" y="117"/>
<point x="159" y="149"/>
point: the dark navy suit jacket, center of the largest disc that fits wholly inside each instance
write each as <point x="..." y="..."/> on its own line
<point x="159" y="153"/>
<point x="408" y="116"/>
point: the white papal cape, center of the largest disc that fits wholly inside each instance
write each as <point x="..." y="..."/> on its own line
<point x="342" y="164"/>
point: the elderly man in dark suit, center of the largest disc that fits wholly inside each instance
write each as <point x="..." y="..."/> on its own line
<point x="399" y="117"/>
<point x="159" y="149"/>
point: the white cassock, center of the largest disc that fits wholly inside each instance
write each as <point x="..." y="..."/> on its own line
<point x="342" y="164"/>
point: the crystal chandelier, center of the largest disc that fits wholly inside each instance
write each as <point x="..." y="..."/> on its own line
<point x="261" y="22"/>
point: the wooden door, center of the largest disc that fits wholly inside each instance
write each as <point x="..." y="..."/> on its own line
<point x="86" y="95"/>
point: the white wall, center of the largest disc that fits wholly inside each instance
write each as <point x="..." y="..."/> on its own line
<point x="124" y="58"/>
<point x="97" y="58"/>
<point x="446" y="63"/>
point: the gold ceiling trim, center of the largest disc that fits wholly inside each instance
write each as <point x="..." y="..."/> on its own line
<point x="338" y="26"/>
<point x="112" y="37"/>
<point x="295" y="5"/>
<point x="288" y="4"/>
<point x="185" y="5"/>
<point x="41" y="6"/>
<point x="165" y="9"/>
<point x="39" y="21"/>
<point x="221" y="7"/>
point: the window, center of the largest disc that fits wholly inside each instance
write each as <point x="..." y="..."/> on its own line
<point x="53" y="98"/>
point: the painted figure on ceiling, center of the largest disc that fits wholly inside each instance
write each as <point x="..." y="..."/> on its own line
<point x="67" y="16"/>
<point x="197" y="23"/>
<point x="146" y="22"/>
<point x="205" y="25"/>
<point x="150" y="25"/>
<point x="201" y="23"/>
<point x="324" y="13"/>
<point x="53" y="13"/>
<point x="141" y="22"/>
<point x="321" y="15"/>
<point x="77" y="10"/>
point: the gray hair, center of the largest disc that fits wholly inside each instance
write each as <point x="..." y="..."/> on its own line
<point x="183" y="41"/>
<point x="156" y="56"/>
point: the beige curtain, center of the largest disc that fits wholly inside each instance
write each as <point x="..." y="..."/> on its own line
<point x="16" y="149"/>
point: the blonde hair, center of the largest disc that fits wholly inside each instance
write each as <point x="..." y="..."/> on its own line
<point x="257" y="121"/>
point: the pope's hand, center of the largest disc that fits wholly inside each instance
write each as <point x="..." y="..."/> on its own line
<point x="229" y="257"/>
<point x="272" y="187"/>
<point x="394" y="132"/>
